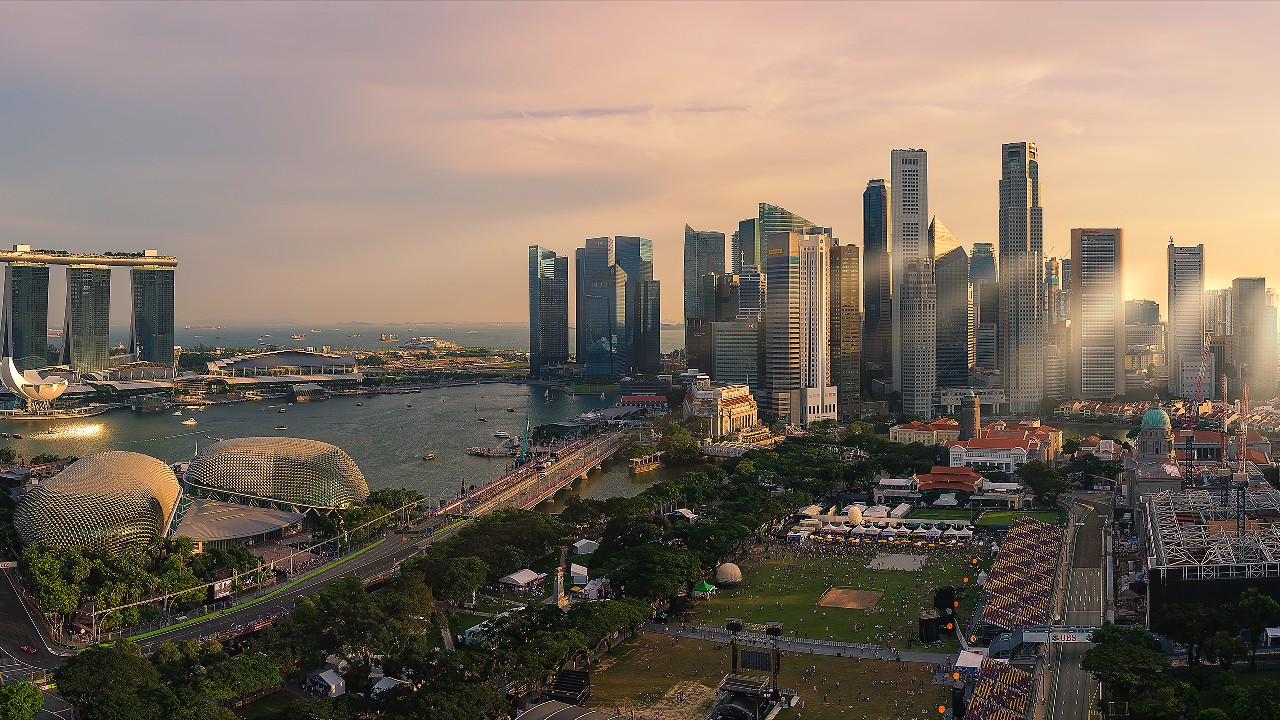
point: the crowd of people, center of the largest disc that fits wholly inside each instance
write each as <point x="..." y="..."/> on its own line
<point x="1001" y="692"/>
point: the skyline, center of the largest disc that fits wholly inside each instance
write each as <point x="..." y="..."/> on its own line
<point x="269" y="143"/>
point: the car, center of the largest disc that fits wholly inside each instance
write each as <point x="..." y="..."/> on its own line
<point x="28" y="649"/>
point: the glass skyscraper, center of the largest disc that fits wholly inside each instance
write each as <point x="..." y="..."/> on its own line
<point x="151" y="332"/>
<point x="26" y="315"/>
<point x="846" y="326"/>
<point x="1021" y="323"/>
<point x="982" y="264"/>
<point x="877" y="287"/>
<point x="602" y="323"/>
<point x="955" y="333"/>
<point x="704" y="265"/>
<point x="86" y="328"/>
<point x="548" y="309"/>
<point x="644" y="318"/>
<point x="754" y="232"/>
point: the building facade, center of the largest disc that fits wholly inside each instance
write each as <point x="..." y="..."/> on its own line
<point x="26" y="314"/>
<point x="918" y="367"/>
<point x="728" y="408"/>
<point x="735" y="352"/>
<point x="797" y="370"/>
<point x="877" y="287"/>
<point x="1185" y="335"/>
<point x="955" y="326"/>
<point x="1096" y="370"/>
<point x="1141" y="312"/>
<point x="151" y="330"/>
<point x="982" y="263"/>
<point x="846" y="326"/>
<point x="87" y="324"/>
<point x="704" y="265"/>
<point x="1253" y="336"/>
<point x="548" y="309"/>
<point x="909" y="171"/>
<point x="1021" y="321"/>
<point x="603" y="326"/>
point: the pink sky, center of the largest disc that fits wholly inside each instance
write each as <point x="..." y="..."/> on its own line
<point x="392" y="161"/>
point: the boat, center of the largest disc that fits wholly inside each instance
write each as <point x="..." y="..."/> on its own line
<point x="189" y="421"/>
<point x="177" y="413"/>
<point x="502" y="434"/>
<point x="482" y="420"/>
<point x="317" y="331"/>
<point x="389" y="337"/>
<point x="601" y="396"/>
<point x="16" y="436"/>
<point x="511" y="409"/>
<point x="354" y="335"/>
<point x="408" y="404"/>
<point x="429" y="456"/>
<point x="282" y="427"/>
<point x="359" y="404"/>
<point x="282" y="410"/>
<point x="295" y="337"/>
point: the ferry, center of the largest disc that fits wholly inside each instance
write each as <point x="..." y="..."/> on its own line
<point x="281" y="410"/>
<point x="295" y="337"/>
<point x="502" y="434"/>
<point x="317" y="331"/>
<point x="482" y="419"/>
<point x="189" y="421"/>
<point x="282" y="427"/>
<point x="429" y="456"/>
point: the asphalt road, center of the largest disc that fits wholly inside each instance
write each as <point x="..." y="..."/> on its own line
<point x="1074" y="689"/>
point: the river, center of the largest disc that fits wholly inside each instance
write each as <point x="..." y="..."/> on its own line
<point x="387" y="436"/>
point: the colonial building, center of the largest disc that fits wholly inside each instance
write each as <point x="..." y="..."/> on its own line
<point x="729" y="408"/>
<point x="932" y="433"/>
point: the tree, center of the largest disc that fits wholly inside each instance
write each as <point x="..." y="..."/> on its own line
<point x="20" y="701"/>
<point x="653" y="570"/>
<point x="113" y="682"/>
<point x="204" y="712"/>
<point x="1255" y="610"/>
<point x="1043" y="480"/>
<point x="678" y="445"/>
<point x="1224" y="647"/>
<point x="8" y="455"/>
<point x="461" y="578"/>
<point x="1126" y="659"/>
<point x="1188" y="625"/>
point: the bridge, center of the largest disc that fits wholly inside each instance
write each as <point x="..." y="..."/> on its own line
<point x="1006" y="643"/>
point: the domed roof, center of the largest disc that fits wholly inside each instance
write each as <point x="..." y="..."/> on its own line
<point x="1155" y="418"/>
<point x="105" y="501"/>
<point x="290" y="470"/>
<point x="728" y="574"/>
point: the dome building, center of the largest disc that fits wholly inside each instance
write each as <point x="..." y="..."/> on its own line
<point x="293" y="473"/>
<point x="1155" y="467"/>
<point x="728" y="574"/>
<point x="108" y="501"/>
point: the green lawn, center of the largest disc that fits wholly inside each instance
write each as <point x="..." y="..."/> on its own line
<point x="1006" y="517"/>
<point x="940" y="514"/>
<point x="787" y="589"/>
<point x="461" y="621"/>
<point x="270" y="707"/>
<point x="645" y="675"/>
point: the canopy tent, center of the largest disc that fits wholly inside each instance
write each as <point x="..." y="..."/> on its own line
<point x="704" y="589"/>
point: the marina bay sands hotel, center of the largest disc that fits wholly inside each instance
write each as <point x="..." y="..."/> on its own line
<point x="86" y="325"/>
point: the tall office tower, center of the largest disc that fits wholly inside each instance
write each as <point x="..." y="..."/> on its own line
<point x="797" y="370"/>
<point x="1141" y="312"/>
<point x="151" y="331"/>
<point x="603" y="323"/>
<point x="1021" y="324"/>
<point x="752" y="290"/>
<point x="703" y="265"/>
<point x="87" y="323"/>
<point x="596" y="255"/>
<point x="941" y="239"/>
<point x="877" y="288"/>
<point x="735" y="352"/>
<point x="753" y="233"/>
<point x="1253" y="332"/>
<point x="26" y="315"/>
<point x="919" y="365"/>
<point x="846" y="326"/>
<point x="1217" y="311"/>
<point x="1055" y="299"/>
<point x="909" y="171"/>
<point x="986" y="303"/>
<point x="548" y="309"/>
<point x="982" y="264"/>
<point x="1184" y="336"/>
<point x="1096" y="370"/>
<point x="955" y="333"/>
<point x="635" y="256"/>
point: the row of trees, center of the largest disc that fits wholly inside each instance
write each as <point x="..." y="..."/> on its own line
<point x="1213" y="632"/>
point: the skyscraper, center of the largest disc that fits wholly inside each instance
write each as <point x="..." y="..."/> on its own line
<point x="753" y="233"/>
<point x="703" y="260"/>
<point x="846" y="326"/>
<point x="941" y="240"/>
<point x="1141" y="312"/>
<point x="752" y="290"/>
<point x="1096" y="370"/>
<point x="918" y="365"/>
<point x="548" y="309"/>
<point x="151" y="330"/>
<point x="1253" y="336"/>
<point x="982" y="264"/>
<point x="625" y="325"/>
<point x="26" y="314"/>
<point x="877" y="288"/>
<point x="87" y="322"/>
<point x="593" y="257"/>
<point x="797" y="371"/>
<point x="603" y="324"/>
<point x="635" y="256"/>
<point x="1185" y="336"/>
<point x="909" y="171"/>
<point x="955" y="331"/>
<point x="1217" y="311"/>
<point x="1021" y="327"/>
<point x="986" y="303"/>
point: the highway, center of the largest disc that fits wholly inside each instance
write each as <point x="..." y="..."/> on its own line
<point x="1075" y="690"/>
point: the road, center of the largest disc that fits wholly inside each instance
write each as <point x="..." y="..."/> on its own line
<point x="1075" y="690"/>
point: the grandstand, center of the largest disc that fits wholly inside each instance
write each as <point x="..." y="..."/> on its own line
<point x="1018" y="590"/>
<point x="1001" y="692"/>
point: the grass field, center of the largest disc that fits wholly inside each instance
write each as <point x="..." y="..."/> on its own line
<point x="940" y="514"/>
<point x="1006" y="517"/>
<point x="786" y="588"/>
<point x="267" y="708"/>
<point x="647" y="675"/>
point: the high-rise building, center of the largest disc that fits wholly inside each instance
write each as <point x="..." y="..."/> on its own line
<point x="735" y="352"/>
<point x="753" y="233"/>
<point x="909" y="173"/>
<point x="87" y="323"/>
<point x="26" y="314"/>
<point x="752" y="290"/>
<point x="624" y="326"/>
<point x="919" y="362"/>
<point x="1056" y="300"/>
<point x="846" y="326"/>
<point x="1096" y="370"/>
<point x="603" y="323"/>
<point x="1141" y="312"/>
<point x="797" y="370"/>
<point x="1021" y="326"/>
<point x="635" y="256"/>
<point x="548" y="309"/>
<point x="986" y="303"/>
<point x="1185" y="335"/>
<point x="1217" y="311"/>
<point x="982" y="264"/>
<point x="955" y="331"/>
<point x="941" y="240"/>
<point x="703" y="267"/>
<point x="595" y="256"/>
<point x="877" y="287"/>
<point x="151" y="330"/>
<point x="1253" y="335"/>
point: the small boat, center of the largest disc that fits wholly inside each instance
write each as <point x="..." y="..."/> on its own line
<point x="359" y="404"/>
<point x="429" y="456"/>
<point x="295" y="337"/>
<point x="408" y="404"/>
<point x="282" y="410"/>
<point x="511" y="409"/>
<point x="482" y="420"/>
<point x="282" y="427"/>
<point x="177" y="413"/>
<point x="189" y="421"/>
<point x="601" y="396"/>
<point x="16" y="436"/>
<point x="502" y="434"/>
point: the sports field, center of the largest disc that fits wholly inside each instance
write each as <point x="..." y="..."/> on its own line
<point x="1006" y="517"/>
<point x="787" y="585"/>
<point x="677" y="677"/>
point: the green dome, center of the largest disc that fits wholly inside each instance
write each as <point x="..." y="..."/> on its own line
<point x="1155" y="418"/>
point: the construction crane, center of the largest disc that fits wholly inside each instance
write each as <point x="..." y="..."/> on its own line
<point x="1244" y="428"/>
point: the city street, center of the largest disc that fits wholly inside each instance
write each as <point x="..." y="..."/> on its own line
<point x="1074" y="689"/>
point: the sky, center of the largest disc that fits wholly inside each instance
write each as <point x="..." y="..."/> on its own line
<point x="392" y="162"/>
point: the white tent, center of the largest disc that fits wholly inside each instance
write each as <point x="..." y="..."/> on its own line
<point x="522" y="578"/>
<point x="933" y="533"/>
<point x="577" y="574"/>
<point x="951" y="532"/>
<point x="585" y="547"/>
